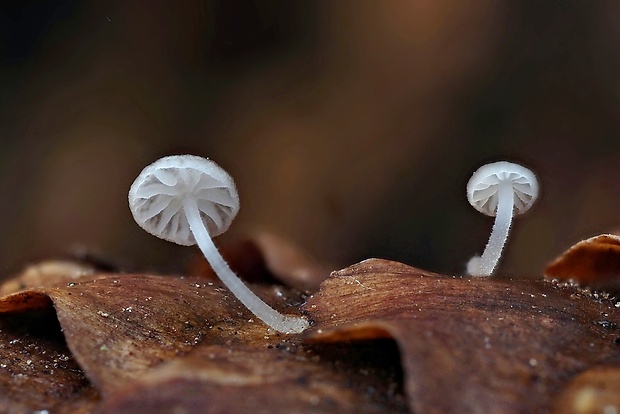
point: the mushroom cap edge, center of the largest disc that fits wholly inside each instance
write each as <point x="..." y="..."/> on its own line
<point x="195" y="164"/>
<point x="524" y="183"/>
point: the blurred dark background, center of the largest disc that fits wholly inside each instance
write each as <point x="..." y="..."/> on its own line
<point x="351" y="127"/>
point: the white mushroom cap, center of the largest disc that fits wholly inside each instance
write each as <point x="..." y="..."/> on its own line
<point x="156" y="197"/>
<point x="189" y="200"/>
<point x="483" y="187"/>
<point x="501" y="189"/>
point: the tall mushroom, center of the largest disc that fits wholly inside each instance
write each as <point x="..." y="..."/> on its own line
<point x="501" y="189"/>
<point x="187" y="200"/>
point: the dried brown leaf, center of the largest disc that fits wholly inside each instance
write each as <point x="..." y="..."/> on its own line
<point x="465" y="344"/>
<point x="593" y="262"/>
<point x="122" y="329"/>
<point x="470" y="344"/>
<point x="594" y="391"/>
<point x="46" y="273"/>
<point x="282" y="378"/>
<point x="119" y="326"/>
<point x="37" y="370"/>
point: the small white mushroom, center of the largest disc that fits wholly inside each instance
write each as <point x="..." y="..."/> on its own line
<point x="187" y="200"/>
<point x="501" y="189"/>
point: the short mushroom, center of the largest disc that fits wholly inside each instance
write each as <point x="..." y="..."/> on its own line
<point x="501" y="189"/>
<point x="188" y="199"/>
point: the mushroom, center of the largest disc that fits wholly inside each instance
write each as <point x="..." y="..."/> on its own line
<point x="501" y="189"/>
<point x="188" y="199"/>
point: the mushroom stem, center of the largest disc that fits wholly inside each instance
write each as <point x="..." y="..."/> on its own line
<point x="277" y="321"/>
<point x="485" y="264"/>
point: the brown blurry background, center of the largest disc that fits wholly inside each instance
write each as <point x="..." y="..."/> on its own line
<point x="351" y="127"/>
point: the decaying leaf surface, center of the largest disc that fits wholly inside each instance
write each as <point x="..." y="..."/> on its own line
<point x="46" y="274"/>
<point x="591" y="392"/>
<point x="159" y="343"/>
<point x="37" y="370"/>
<point x="593" y="262"/>
<point x="470" y="345"/>
<point x="280" y="378"/>
<point x="386" y="337"/>
<point x="119" y="326"/>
